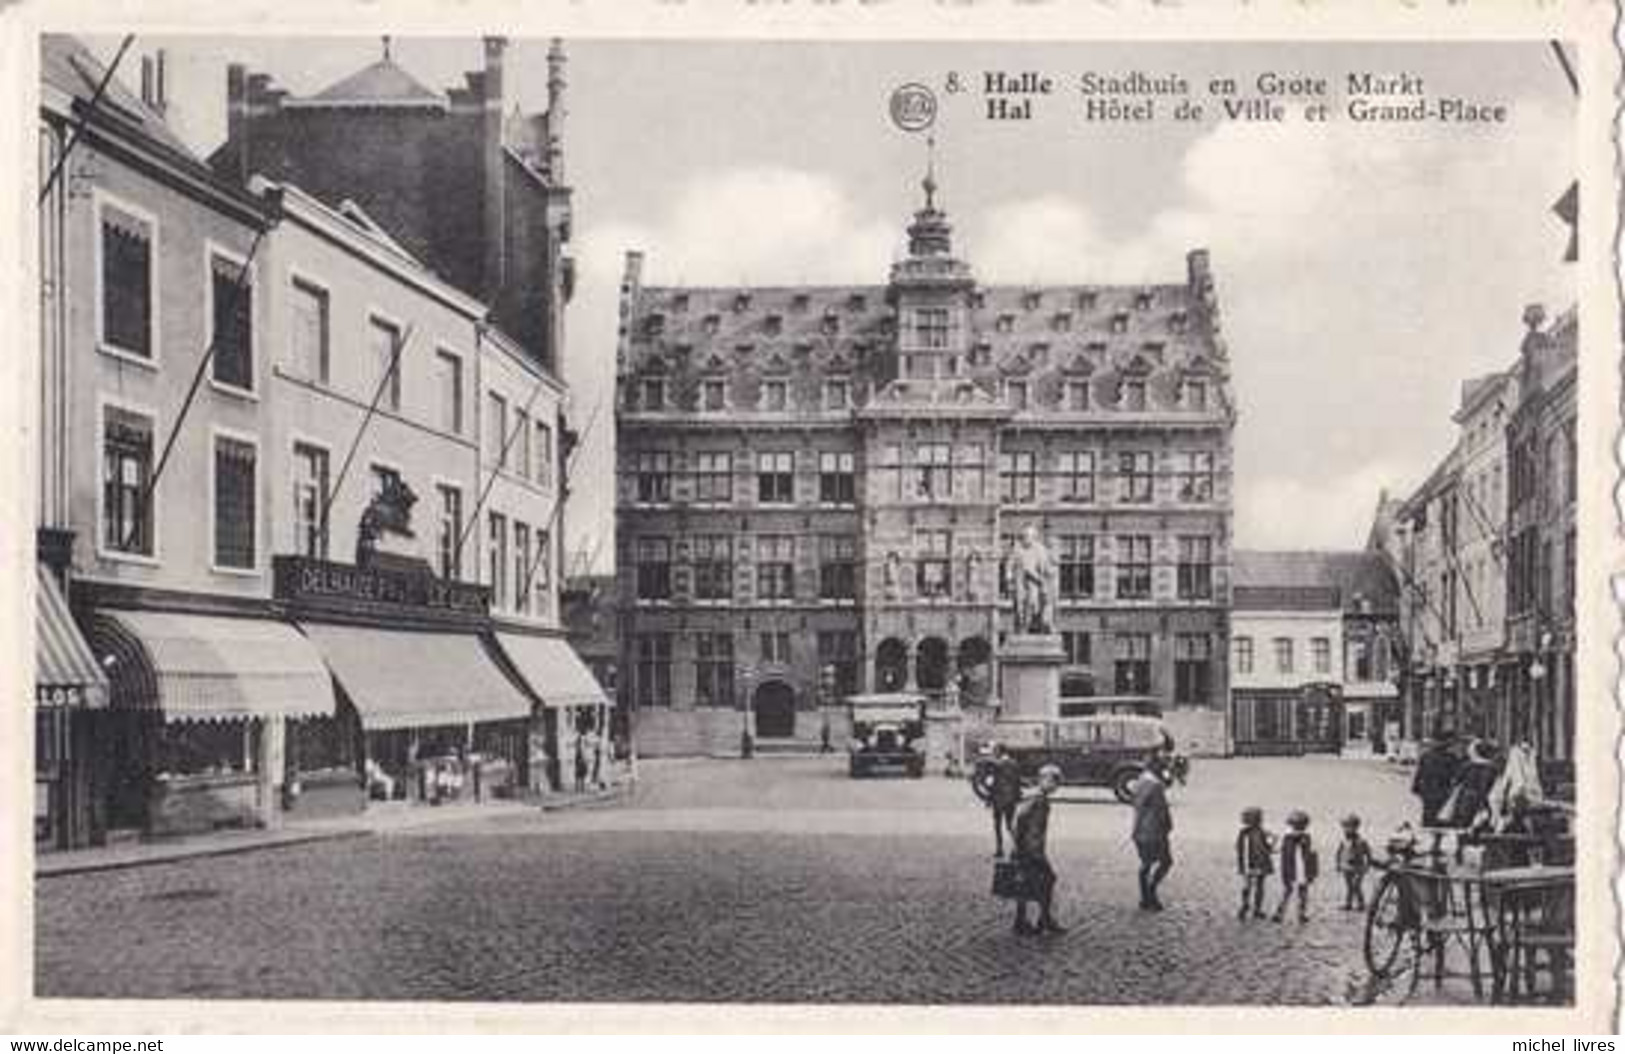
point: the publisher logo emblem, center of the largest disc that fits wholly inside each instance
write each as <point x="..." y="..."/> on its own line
<point x="913" y="107"/>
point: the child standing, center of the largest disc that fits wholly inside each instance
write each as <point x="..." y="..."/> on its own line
<point x="1353" y="861"/>
<point x="1255" y="852"/>
<point x="1299" y="865"/>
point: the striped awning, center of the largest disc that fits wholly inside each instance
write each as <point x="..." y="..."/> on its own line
<point x="205" y="667"/>
<point x="555" y="674"/>
<point x="65" y="669"/>
<point x="399" y="678"/>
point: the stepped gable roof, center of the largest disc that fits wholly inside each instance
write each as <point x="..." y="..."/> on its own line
<point x="1355" y="581"/>
<point x="384" y="83"/>
<point x="69" y="66"/>
<point x="1009" y="320"/>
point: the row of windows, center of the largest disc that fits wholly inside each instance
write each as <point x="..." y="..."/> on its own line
<point x="714" y="663"/>
<point x="1365" y="660"/>
<point x="713" y="565"/>
<point x="1083" y="300"/>
<point x="127" y="322"/>
<point x="938" y="471"/>
<point x="774" y="394"/>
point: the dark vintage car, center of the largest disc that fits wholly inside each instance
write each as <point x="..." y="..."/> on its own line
<point x="885" y="731"/>
<point x="1099" y="750"/>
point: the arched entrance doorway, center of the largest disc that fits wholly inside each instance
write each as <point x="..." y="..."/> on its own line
<point x="891" y="665"/>
<point x="975" y="671"/>
<point x="931" y="665"/>
<point x="775" y="707"/>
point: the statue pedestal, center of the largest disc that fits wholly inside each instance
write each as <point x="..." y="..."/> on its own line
<point x="1030" y="672"/>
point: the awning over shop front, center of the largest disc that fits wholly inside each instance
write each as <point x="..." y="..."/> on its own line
<point x="410" y="679"/>
<point x="204" y="667"/>
<point x="65" y="669"/>
<point x="553" y="670"/>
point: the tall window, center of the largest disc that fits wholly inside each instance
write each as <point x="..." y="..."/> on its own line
<point x="1016" y="394"/>
<point x="231" y="317"/>
<point x="1132" y="393"/>
<point x="775" y="394"/>
<point x="713" y="476"/>
<point x="1244" y="654"/>
<point x="839" y="649"/>
<point x="931" y="569"/>
<point x="1077" y="566"/>
<point x="521" y="443"/>
<point x="1193" y="475"/>
<point x="127" y="282"/>
<point x="1195" y="570"/>
<point x="544" y="454"/>
<point x="1283" y="654"/>
<point x="933" y="475"/>
<point x="1077" y="472"/>
<point x="1077" y="395"/>
<point x="653" y="655"/>
<point x="931" y="328"/>
<point x="776" y="647"/>
<point x="713" y="567"/>
<point x="1132" y="668"/>
<point x="1078" y="646"/>
<point x="714" y="394"/>
<point x="496" y="427"/>
<point x="653" y="469"/>
<point x="775" y="478"/>
<point x="837" y="394"/>
<point x="521" y="567"/>
<point x="1018" y="477"/>
<point x="835" y="480"/>
<point x="310" y="479"/>
<point x="126" y="474"/>
<point x="235" y="514"/>
<point x="1320" y="653"/>
<point x="1134" y="477"/>
<point x="837" y="567"/>
<point x="308" y="331"/>
<point x="1133" y="567"/>
<point x="498" y="527"/>
<point x="449" y="531"/>
<point x="1193" y="668"/>
<point x="775" y="567"/>
<point x="714" y="669"/>
<point x="384" y="346"/>
<point x="449" y="382"/>
<point x="654" y="568"/>
<point x="541" y="574"/>
<point x="1193" y="396"/>
<point x="654" y="394"/>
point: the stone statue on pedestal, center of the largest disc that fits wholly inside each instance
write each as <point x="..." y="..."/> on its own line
<point x="1032" y="568"/>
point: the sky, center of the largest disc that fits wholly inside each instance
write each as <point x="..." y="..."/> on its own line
<point x="1363" y="271"/>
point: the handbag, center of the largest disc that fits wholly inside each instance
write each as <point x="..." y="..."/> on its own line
<point x="1010" y="880"/>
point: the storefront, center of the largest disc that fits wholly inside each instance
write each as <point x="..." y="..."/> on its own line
<point x="575" y="711"/>
<point x="1311" y="719"/>
<point x="69" y="692"/>
<point x="200" y="705"/>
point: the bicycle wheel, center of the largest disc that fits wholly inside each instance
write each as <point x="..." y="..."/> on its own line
<point x="1389" y="923"/>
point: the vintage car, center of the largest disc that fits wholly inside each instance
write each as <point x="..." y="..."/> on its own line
<point x="885" y="729"/>
<point x="1098" y="750"/>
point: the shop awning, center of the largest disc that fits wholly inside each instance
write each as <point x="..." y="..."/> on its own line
<point x="411" y="679"/>
<point x="204" y="667"/>
<point x="553" y="671"/>
<point x="65" y="669"/>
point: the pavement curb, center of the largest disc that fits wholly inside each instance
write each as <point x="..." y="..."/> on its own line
<point x="80" y="867"/>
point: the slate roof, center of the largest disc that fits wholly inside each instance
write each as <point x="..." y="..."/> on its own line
<point x="68" y="65"/>
<point x="1312" y="580"/>
<point x="384" y="83"/>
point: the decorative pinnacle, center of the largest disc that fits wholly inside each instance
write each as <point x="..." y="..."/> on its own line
<point x="930" y="180"/>
<point x="386" y="47"/>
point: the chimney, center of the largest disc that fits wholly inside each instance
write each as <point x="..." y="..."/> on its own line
<point x="1197" y="270"/>
<point x="237" y="115"/>
<point x="556" y="111"/>
<point x="494" y="211"/>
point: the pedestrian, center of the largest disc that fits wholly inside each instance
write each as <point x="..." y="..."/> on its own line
<point x="1031" y="854"/>
<point x="1004" y="796"/>
<point x="598" y="761"/>
<point x="1353" y="861"/>
<point x="1153" y="824"/>
<point x="1435" y="777"/>
<point x="1299" y="865"/>
<point x="1474" y="780"/>
<point x="1255" y="861"/>
<point x="581" y="763"/>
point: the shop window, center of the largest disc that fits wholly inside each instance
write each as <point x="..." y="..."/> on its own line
<point x="206" y="748"/>
<point x="235" y="507"/>
<point x="318" y="744"/>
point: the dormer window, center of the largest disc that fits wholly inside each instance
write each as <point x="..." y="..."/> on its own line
<point x="1077" y="394"/>
<point x="1005" y="323"/>
<point x="654" y="325"/>
<point x="1153" y="349"/>
<point x="714" y="395"/>
<point x="774" y="324"/>
<point x="1015" y="393"/>
<point x="837" y="393"/>
<point x="1131" y="393"/>
<point x="832" y="324"/>
<point x="857" y="302"/>
<point x="775" y="395"/>
<point x="1179" y="321"/>
<point x="679" y="303"/>
<point x="1031" y="301"/>
<point x="978" y="300"/>
<point x="654" y="393"/>
<point x="1087" y="299"/>
<point x="981" y="354"/>
<point x="1061" y="323"/>
<point x="1096" y="348"/>
<point x="1143" y="300"/>
<point x="1193" y="395"/>
<point x="741" y="303"/>
<point x="1120" y="322"/>
<point x="710" y="323"/>
<point x="798" y="302"/>
<point x="1038" y="355"/>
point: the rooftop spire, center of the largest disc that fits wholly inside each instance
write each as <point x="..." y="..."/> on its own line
<point x="386" y="48"/>
<point x="930" y="180"/>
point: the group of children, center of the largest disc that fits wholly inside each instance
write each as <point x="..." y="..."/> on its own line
<point x="1255" y="861"/>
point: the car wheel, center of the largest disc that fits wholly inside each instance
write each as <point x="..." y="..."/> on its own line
<point x="1123" y="785"/>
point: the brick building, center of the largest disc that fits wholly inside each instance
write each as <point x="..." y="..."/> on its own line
<point x="818" y="487"/>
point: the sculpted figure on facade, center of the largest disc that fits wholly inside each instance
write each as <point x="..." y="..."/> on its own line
<point x="1032" y="569"/>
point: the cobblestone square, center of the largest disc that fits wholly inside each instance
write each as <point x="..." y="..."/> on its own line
<point x="773" y="880"/>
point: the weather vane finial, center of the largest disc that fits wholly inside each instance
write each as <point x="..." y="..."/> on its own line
<point x="386" y="48"/>
<point x="930" y="181"/>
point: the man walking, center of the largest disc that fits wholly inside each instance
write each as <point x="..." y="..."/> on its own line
<point x="1004" y="796"/>
<point x="1153" y="824"/>
<point x="1031" y="854"/>
<point x="1435" y="778"/>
